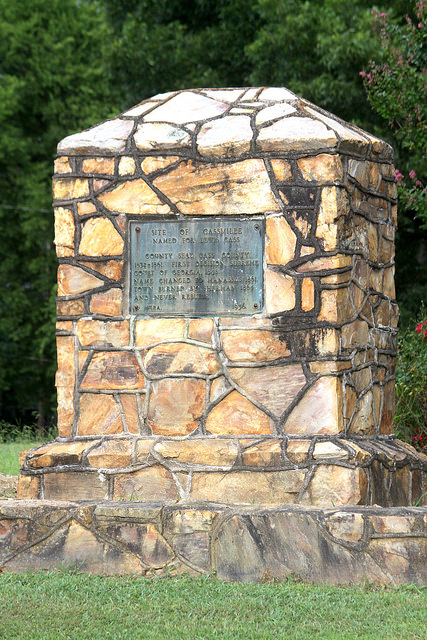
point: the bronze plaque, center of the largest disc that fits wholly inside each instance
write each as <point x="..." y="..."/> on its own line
<point x="198" y="267"/>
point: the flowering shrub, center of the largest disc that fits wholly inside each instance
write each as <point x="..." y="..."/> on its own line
<point x="396" y="88"/>
<point x="411" y="386"/>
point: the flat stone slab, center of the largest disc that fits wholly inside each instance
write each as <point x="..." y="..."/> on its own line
<point x="239" y="543"/>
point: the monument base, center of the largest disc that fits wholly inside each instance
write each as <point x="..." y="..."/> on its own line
<point x="240" y="543"/>
<point x="322" y="471"/>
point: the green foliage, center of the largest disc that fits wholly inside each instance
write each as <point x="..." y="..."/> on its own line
<point x="396" y="87"/>
<point x="94" y="607"/>
<point x="316" y="49"/>
<point x="53" y="81"/>
<point x="411" y="384"/>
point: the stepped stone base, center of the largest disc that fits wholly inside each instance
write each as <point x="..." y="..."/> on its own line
<point x="322" y="471"/>
<point x="242" y="543"/>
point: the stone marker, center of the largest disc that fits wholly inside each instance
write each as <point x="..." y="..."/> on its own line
<point x="226" y="309"/>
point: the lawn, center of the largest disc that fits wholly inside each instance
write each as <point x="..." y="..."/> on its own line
<point x="74" y="605"/>
<point x="9" y="456"/>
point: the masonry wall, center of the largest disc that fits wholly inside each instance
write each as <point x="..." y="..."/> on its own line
<point x="294" y="403"/>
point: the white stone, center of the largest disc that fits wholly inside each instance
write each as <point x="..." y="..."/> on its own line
<point x="329" y="450"/>
<point x="295" y="132"/>
<point x="344" y="132"/>
<point x="251" y="93"/>
<point x="274" y="112"/>
<point x="187" y="107"/>
<point x="140" y="109"/>
<point x="229" y="136"/>
<point x="160" y="135"/>
<point x="108" y="136"/>
<point x="224" y="95"/>
<point x="277" y="93"/>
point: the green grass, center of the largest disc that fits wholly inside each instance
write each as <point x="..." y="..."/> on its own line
<point x="45" y="606"/>
<point x="9" y="451"/>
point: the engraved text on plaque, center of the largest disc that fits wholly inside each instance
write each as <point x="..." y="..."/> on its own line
<point x="196" y="267"/>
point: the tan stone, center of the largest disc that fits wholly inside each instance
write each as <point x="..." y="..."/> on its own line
<point x="113" y="370"/>
<point x="388" y="408"/>
<point x="282" y="170"/>
<point x="280" y="241"/>
<point x="218" y="387"/>
<point x="176" y="406"/>
<point x="28" y="487"/>
<point x="64" y="232"/>
<point x="110" y="454"/>
<point x="236" y="415"/>
<point x="82" y="357"/>
<point x="294" y="133"/>
<point x="107" y="303"/>
<point x="85" y="208"/>
<point x="360" y="455"/>
<point x="73" y="280"/>
<point x="100" y="238"/>
<point x="272" y="387"/>
<point x="64" y="326"/>
<point x="334" y="486"/>
<point x="143" y="449"/>
<point x="328" y="306"/>
<point x="301" y="220"/>
<point x="388" y="283"/>
<point x="307" y="294"/>
<point x="181" y="358"/>
<point x="264" y="454"/>
<point x="54" y="454"/>
<point x="336" y="278"/>
<point x="127" y="166"/>
<point x="329" y="451"/>
<point x="156" y="163"/>
<point x="248" y="487"/>
<point x="338" y="261"/>
<point x="62" y="165"/>
<point x="69" y="307"/>
<point x="394" y="524"/>
<point x="110" y="268"/>
<point x="65" y="356"/>
<point x="227" y="137"/>
<point x="74" y="486"/>
<point x="306" y="250"/>
<point x="153" y="330"/>
<point x="154" y="483"/>
<point x="329" y="366"/>
<point x="319" y="410"/>
<point x="321" y="168"/>
<point x="333" y="205"/>
<point x="65" y="399"/>
<point x="359" y="170"/>
<point x="254" y="345"/>
<point x="99" y="414"/>
<point x="363" y="420"/>
<point x="201" y="452"/>
<point x="201" y="329"/>
<point x="133" y="196"/>
<point x="130" y="408"/>
<point x="279" y="292"/>
<point x="104" y="166"/>
<point x="223" y="189"/>
<point x="297" y="450"/>
<point x="97" y="333"/>
<point x="354" y="334"/>
<point x="346" y="526"/>
<point x="70" y="188"/>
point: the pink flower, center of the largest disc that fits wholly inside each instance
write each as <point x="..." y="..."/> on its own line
<point x="412" y="174"/>
<point x="419" y="183"/>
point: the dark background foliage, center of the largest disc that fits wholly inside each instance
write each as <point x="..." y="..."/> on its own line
<point x="67" y="64"/>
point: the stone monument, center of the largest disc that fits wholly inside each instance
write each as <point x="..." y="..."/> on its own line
<point x="226" y="310"/>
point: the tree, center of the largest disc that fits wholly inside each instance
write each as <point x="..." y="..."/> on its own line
<point x="396" y="88"/>
<point x="53" y="81"/>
